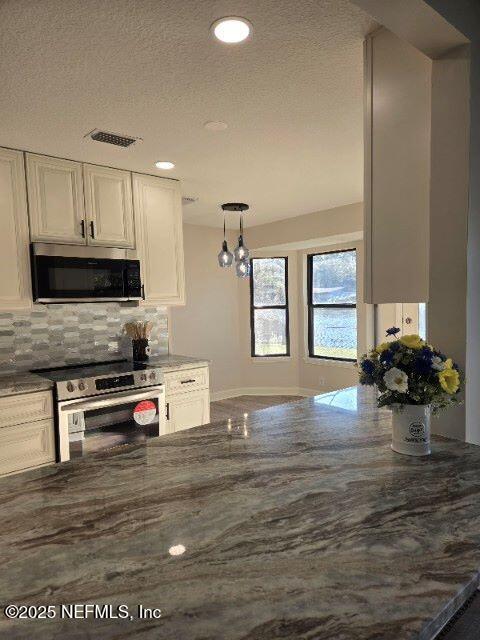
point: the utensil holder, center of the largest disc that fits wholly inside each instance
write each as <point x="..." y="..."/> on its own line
<point x="141" y="350"/>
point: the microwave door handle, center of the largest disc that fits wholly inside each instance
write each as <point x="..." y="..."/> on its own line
<point x="110" y="401"/>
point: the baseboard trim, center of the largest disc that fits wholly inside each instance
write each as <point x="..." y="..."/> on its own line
<point x="262" y="391"/>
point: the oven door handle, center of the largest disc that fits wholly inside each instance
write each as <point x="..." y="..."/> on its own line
<point x="110" y="401"/>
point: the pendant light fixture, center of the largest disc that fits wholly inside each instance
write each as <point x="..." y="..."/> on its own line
<point x="241" y="252"/>
<point x="225" y="258"/>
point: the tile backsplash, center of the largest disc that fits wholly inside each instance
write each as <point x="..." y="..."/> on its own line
<point x="55" y="335"/>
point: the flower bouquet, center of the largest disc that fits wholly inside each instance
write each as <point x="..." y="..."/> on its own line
<point x="414" y="379"/>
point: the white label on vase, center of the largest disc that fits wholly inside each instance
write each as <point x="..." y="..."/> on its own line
<point x="417" y="432"/>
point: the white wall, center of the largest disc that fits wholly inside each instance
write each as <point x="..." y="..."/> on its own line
<point x="208" y="326"/>
<point x="465" y="16"/>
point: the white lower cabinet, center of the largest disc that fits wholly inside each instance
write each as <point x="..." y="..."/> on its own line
<point x="27" y="435"/>
<point x="186" y="410"/>
<point x="187" y="406"/>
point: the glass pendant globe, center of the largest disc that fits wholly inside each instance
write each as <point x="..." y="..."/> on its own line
<point x="241" y="252"/>
<point x="242" y="268"/>
<point x="225" y="257"/>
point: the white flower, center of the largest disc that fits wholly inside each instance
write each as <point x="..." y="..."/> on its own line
<point x="438" y="364"/>
<point x="396" y="380"/>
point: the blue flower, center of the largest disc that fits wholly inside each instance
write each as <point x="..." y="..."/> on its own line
<point x="422" y="366"/>
<point x="426" y="353"/>
<point x="394" y="346"/>
<point x="368" y="367"/>
<point x="386" y="357"/>
<point x="393" y="331"/>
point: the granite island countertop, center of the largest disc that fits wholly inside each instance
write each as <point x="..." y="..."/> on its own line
<point x="298" y="522"/>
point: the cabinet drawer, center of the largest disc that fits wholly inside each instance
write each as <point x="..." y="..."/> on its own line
<point x="26" y="445"/>
<point x="27" y="407"/>
<point x="182" y="381"/>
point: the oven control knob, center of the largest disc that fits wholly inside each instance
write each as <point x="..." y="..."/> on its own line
<point x="81" y="385"/>
<point x="70" y="387"/>
<point x="153" y="375"/>
<point x="143" y="377"/>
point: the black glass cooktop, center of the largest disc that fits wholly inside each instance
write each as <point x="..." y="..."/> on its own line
<point x="90" y="370"/>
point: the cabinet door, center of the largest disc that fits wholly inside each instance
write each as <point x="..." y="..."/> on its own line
<point x="188" y="410"/>
<point x="26" y="446"/>
<point x="397" y="170"/>
<point x="55" y="198"/>
<point x="158" y="221"/>
<point x="15" y="289"/>
<point x="109" y="207"/>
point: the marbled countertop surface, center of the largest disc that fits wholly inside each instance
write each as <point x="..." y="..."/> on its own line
<point x="13" y="384"/>
<point x="175" y="363"/>
<point x="298" y="522"/>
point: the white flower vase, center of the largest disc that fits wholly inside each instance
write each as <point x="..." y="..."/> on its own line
<point x="411" y="429"/>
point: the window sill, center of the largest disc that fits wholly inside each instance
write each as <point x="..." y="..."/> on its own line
<point x="270" y="359"/>
<point x="329" y="363"/>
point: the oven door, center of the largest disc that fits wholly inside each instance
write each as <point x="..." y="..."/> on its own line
<point x="97" y="424"/>
<point x="72" y="279"/>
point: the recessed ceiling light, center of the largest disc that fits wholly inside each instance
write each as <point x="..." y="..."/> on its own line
<point x="231" y="29"/>
<point x="215" y="125"/>
<point x="165" y="164"/>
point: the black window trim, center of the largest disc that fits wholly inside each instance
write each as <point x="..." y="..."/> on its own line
<point x="312" y="306"/>
<point x="278" y="306"/>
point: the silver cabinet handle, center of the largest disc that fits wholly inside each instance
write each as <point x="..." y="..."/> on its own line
<point x="186" y="381"/>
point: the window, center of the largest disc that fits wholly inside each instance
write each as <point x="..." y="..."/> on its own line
<point x="269" y="307"/>
<point x="332" y="305"/>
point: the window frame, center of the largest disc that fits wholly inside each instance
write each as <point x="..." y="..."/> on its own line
<point x="278" y="306"/>
<point x="311" y="306"/>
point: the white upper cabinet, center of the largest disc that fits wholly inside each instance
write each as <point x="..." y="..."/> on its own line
<point x="158" y="223"/>
<point x="15" y="291"/>
<point x="397" y="170"/>
<point x="109" y="207"/>
<point x="55" y="197"/>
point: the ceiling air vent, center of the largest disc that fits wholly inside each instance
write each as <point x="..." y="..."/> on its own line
<point x="112" y="138"/>
<point x="189" y="199"/>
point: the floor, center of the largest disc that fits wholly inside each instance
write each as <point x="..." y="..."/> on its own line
<point x="466" y="625"/>
<point x="236" y="407"/>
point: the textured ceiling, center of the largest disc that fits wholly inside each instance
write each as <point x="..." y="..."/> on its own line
<point x="292" y="95"/>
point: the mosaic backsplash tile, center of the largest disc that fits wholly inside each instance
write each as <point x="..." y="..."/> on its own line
<point x="55" y="335"/>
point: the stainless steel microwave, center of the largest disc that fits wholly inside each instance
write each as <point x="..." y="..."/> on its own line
<point x="67" y="273"/>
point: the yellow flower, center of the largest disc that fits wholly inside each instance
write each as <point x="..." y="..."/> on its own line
<point x="448" y="363"/>
<point x="412" y="341"/>
<point x="449" y="380"/>
<point x="382" y="347"/>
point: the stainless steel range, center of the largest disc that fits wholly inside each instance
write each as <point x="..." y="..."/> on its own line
<point x="102" y="405"/>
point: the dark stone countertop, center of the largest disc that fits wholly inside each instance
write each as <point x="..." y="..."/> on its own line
<point x="13" y="384"/>
<point x="299" y="524"/>
<point x="172" y="362"/>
